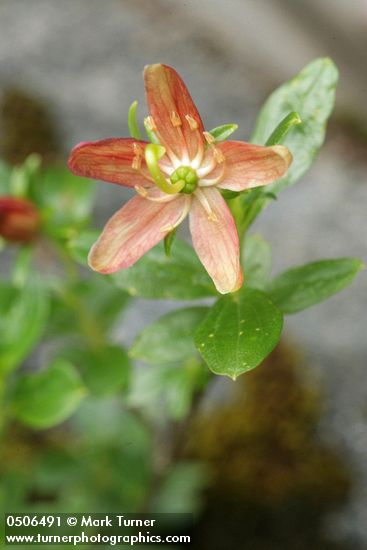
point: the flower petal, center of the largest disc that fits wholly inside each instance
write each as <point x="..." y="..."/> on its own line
<point x="248" y="165"/>
<point x="215" y="240"/>
<point x="117" y="160"/>
<point x="178" y="124"/>
<point x="138" y="226"/>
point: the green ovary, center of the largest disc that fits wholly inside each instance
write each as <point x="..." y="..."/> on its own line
<point x="186" y="175"/>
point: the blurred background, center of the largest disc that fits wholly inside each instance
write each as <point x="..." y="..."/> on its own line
<point x="281" y="460"/>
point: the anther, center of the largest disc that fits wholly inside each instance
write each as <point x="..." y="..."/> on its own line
<point x="218" y="155"/>
<point x="212" y="217"/>
<point x="205" y="204"/>
<point x="192" y="122"/>
<point x="175" y="119"/>
<point x="136" y="163"/>
<point x="150" y="124"/>
<point x="141" y="191"/>
<point x="137" y="149"/>
<point x="209" y="138"/>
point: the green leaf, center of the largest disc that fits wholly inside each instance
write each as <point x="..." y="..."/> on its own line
<point x="171" y="338"/>
<point x="132" y="122"/>
<point x="182" y="384"/>
<point x="80" y="246"/>
<point x="104" y="370"/>
<point x="19" y="181"/>
<point x="5" y="174"/>
<point x="49" y="397"/>
<point x="239" y="332"/>
<point x="66" y="201"/>
<point x="256" y="261"/>
<point x="221" y="133"/>
<point x="180" y="277"/>
<point x="311" y="94"/>
<point x="227" y="194"/>
<point x="23" y="316"/>
<point x="168" y="389"/>
<point x="186" y="479"/>
<point x="95" y="299"/>
<point x="22" y="265"/>
<point x="306" y="285"/>
<point x="23" y="176"/>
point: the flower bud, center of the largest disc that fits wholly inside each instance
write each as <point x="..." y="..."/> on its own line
<point x="19" y="219"/>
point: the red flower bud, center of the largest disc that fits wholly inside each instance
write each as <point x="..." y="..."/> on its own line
<point x="19" y="219"/>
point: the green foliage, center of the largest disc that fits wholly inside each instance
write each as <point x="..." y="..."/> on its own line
<point x="186" y="479"/>
<point x="23" y="317"/>
<point x="239" y="332"/>
<point x="306" y="285"/>
<point x="66" y="201"/>
<point x="25" y="175"/>
<point x="105" y="370"/>
<point x="311" y="93"/>
<point x="180" y="277"/>
<point x="221" y="133"/>
<point x="48" y="397"/>
<point x="5" y="173"/>
<point x="170" y="338"/>
<point x="80" y="245"/>
<point x="86" y="306"/>
<point x="256" y="261"/>
<point x="168" y="390"/>
<point x="16" y="181"/>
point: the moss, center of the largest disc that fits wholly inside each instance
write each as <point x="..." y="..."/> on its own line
<point x="273" y="480"/>
<point x="26" y="127"/>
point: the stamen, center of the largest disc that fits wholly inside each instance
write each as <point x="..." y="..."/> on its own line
<point x="150" y="124"/>
<point x="141" y="191"/>
<point x="175" y="119"/>
<point x="192" y="122"/>
<point x="219" y="157"/>
<point x="136" y="163"/>
<point x="138" y="152"/>
<point x="183" y="215"/>
<point x="137" y="149"/>
<point x="209" y="138"/>
<point x="205" y="204"/>
<point x="146" y="195"/>
<point x="208" y="164"/>
<point x="212" y="181"/>
<point x="198" y="159"/>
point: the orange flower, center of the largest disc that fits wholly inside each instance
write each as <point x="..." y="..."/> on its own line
<point x="183" y="175"/>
